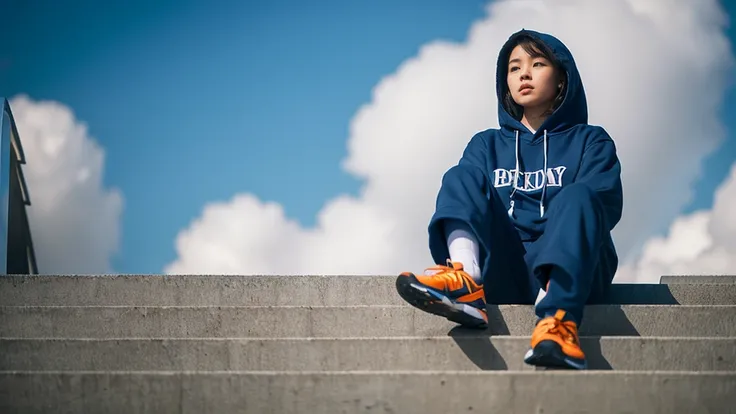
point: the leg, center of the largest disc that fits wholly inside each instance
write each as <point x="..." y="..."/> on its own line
<point x="575" y="254"/>
<point x="466" y="203"/>
<point x="574" y="258"/>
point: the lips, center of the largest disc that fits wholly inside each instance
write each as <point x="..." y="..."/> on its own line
<point x="525" y="87"/>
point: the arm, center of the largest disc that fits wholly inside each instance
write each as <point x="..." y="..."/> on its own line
<point x="600" y="170"/>
<point x="463" y="195"/>
<point x="476" y="153"/>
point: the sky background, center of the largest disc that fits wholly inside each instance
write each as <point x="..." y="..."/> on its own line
<point x="193" y="103"/>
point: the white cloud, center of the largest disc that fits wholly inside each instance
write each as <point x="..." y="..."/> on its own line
<point x="654" y="73"/>
<point x="75" y="221"/>
<point x="703" y="242"/>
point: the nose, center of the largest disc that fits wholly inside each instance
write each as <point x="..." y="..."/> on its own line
<point x="525" y="74"/>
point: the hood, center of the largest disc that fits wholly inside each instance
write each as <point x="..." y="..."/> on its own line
<point x="574" y="108"/>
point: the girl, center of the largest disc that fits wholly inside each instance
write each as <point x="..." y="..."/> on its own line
<point x="528" y="209"/>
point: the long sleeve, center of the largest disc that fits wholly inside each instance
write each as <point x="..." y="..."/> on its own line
<point x="601" y="171"/>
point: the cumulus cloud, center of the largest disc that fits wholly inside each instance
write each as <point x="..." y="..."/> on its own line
<point x="654" y="73"/>
<point x="75" y="221"/>
<point x="700" y="243"/>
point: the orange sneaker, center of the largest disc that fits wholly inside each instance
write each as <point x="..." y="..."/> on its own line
<point x="555" y="344"/>
<point x="446" y="291"/>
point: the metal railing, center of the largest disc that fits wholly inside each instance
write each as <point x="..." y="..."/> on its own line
<point x="17" y="255"/>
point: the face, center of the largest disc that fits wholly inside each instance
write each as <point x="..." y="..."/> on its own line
<point x="533" y="82"/>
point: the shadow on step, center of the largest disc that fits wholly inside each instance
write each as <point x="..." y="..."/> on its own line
<point x="478" y="346"/>
<point x="594" y="354"/>
<point x="481" y="351"/>
<point x="607" y="320"/>
<point x="636" y="294"/>
<point x="599" y="320"/>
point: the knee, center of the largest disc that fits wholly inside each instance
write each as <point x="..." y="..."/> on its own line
<point x="464" y="178"/>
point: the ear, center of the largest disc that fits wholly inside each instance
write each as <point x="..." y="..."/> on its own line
<point x="561" y="80"/>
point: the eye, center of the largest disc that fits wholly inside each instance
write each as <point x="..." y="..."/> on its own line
<point x="513" y="68"/>
<point x="539" y="64"/>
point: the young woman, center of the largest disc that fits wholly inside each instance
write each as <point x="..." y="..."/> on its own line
<point x="528" y="209"/>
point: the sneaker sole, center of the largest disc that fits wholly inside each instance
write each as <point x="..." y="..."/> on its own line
<point x="432" y="301"/>
<point x="548" y="354"/>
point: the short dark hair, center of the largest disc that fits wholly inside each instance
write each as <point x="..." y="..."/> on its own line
<point x="535" y="48"/>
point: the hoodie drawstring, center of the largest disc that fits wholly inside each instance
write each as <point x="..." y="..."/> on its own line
<point x="516" y="177"/>
<point x="544" y="178"/>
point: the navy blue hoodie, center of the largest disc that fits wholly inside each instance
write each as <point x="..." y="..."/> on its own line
<point x="565" y="146"/>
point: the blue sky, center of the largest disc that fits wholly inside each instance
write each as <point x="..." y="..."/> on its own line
<point x="194" y="103"/>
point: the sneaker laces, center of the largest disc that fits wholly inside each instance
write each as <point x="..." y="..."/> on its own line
<point x="555" y="325"/>
<point x="452" y="274"/>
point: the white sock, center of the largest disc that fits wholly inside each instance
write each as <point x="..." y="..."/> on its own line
<point x="540" y="295"/>
<point x="463" y="248"/>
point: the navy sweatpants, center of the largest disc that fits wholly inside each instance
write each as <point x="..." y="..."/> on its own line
<point x="575" y="252"/>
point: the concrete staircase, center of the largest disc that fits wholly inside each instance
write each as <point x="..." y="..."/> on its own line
<point x="312" y="344"/>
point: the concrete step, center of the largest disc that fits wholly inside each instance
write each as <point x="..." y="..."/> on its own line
<point x="287" y="290"/>
<point x="403" y="392"/>
<point x="710" y="279"/>
<point x="354" y="321"/>
<point x="471" y="353"/>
